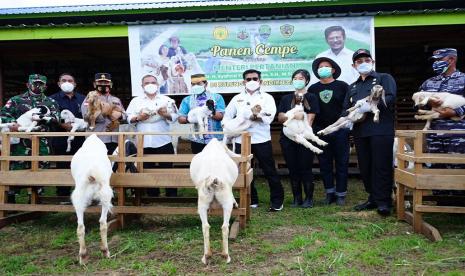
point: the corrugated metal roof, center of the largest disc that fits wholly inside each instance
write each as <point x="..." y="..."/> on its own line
<point x="160" y="4"/>
<point x="244" y="18"/>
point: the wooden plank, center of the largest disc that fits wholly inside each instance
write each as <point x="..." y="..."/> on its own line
<point x="440" y="182"/>
<point x="156" y="210"/>
<point x="35" y="152"/>
<point x="427" y="229"/>
<point x="5" y="152"/>
<point x="234" y="231"/>
<point x="3" y="199"/>
<point x="407" y="178"/>
<point x="440" y="209"/>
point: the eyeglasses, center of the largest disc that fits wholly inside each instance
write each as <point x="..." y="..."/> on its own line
<point x="250" y="79"/>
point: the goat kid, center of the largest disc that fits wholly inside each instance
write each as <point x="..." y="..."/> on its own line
<point x="153" y="113"/>
<point x="232" y="128"/>
<point x="29" y="121"/>
<point x="448" y="100"/>
<point x="200" y="115"/>
<point x="98" y="107"/>
<point x="214" y="172"/>
<point x="299" y="130"/>
<point x="91" y="171"/>
<point x="357" y="113"/>
<point x="77" y="124"/>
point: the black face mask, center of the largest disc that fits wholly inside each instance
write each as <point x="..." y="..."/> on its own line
<point x="102" y="89"/>
<point x="37" y="87"/>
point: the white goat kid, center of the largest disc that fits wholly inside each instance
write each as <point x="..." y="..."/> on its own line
<point x="200" y="115"/>
<point x="29" y="121"/>
<point x="91" y="171"/>
<point x="153" y="113"/>
<point x="232" y="128"/>
<point x="357" y="113"/>
<point x="448" y="100"/>
<point x="76" y="123"/>
<point x="214" y="172"/>
<point x="299" y="130"/>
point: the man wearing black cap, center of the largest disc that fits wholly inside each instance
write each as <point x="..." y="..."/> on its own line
<point x="331" y="94"/>
<point x="374" y="141"/>
<point x="103" y="86"/>
<point x="17" y="106"/>
<point x="451" y="80"/>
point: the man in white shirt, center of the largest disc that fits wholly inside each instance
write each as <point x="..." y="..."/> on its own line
<point x="335" y="37"/>
<point x="138" y="114"/>
<point x="241" y="105"/>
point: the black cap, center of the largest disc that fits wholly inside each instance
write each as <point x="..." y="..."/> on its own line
<point x="334" y="65"/>
<point x="441" y="53"/>
<point x="361" y="53"/>
<point x="102" y="77"/>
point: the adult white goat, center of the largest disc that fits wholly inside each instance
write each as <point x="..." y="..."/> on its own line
<point x="200" y="115"/>
<point x="76" y="123"/>
<point x="299" y="130"/>
<point x="357" y="113"/>
<point x="448" y="100"/>
<point x="232" y="128"/>
<point x="91" y="171"/>
<point x="214" y="172"/>
<point x="29" y="121"/>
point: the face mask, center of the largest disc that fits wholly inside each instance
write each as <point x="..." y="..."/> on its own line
<point x="440" y="66"/>
<point x="325" y="72"/>
<point x="197" y="89"/>
<point x="67" y="87"/>
<point x="151" y="88"/>
<point x="298" y="84"/>
<point x="102" y="88"/>
<point x="37" y="87"/>
<point x="252" y="85"/>
<point x="365" y="68"/>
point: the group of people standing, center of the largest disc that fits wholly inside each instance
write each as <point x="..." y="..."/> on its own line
<point x="324" y="102"/>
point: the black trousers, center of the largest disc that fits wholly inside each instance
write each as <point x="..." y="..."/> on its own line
<point x="111" y="146"/>
<point x="299" y="160"/>
<point x="197" y="147"/>
<point x="374" y="155"/>
<point x="263" y="153"/>
<point x="59" y="145"/>
<point x="165" y="149"/>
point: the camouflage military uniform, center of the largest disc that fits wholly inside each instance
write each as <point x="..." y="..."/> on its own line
<point x="14" y="108"/>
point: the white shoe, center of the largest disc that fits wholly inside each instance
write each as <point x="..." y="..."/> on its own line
<point x="254" y="205"/>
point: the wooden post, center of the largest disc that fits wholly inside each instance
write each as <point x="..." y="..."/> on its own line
<point x="35" y="145"/>
<point x="246" y="151"/>
<point x="5" y="166"/>
<point x="400" y="201"/>
<point x="121" y="169"/>
<point x="418" y="151"/>
<point x="417" y="216"/>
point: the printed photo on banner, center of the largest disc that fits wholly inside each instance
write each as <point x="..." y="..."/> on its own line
<point x="223" y="50"/>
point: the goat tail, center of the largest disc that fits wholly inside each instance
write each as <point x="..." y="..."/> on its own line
<point x="94" y="176"/>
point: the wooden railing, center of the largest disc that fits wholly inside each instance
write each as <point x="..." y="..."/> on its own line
<point x="422" y="178"/>
<point x="120" y="180"/>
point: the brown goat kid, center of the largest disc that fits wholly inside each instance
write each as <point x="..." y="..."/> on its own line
<point x="98" y="107"/>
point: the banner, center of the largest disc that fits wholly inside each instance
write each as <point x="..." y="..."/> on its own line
<point x="223" y="50"/>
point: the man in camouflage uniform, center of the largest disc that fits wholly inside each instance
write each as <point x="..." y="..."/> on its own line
<point x="103" y="86"/>
<point x="18" y="105"/>
<point x="451" y="80"/>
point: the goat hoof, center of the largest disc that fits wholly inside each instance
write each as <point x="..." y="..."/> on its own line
<point x="205" y="259"/>
<point x="227" y="257"/>
<point x="83" y="259"/>
<point x="106" y="253"/>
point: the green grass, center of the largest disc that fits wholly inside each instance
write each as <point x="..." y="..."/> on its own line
<point x="322" y="240"/>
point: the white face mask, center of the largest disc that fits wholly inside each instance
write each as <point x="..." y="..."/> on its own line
<point x="67" y="87"/>
<point x="151" y="88"/>
<point x="365" y="68"/>
<point x="252" y="85"/>
<point x="197" y="89"/>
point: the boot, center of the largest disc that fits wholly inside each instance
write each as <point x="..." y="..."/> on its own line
<point x="330" y="198"/>
<point x="308" y="188"/>
<point x="297" y="193"/>
<point x="341" y="201"/>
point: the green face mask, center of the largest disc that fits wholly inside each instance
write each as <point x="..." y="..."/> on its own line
<point x="298" y="84"/>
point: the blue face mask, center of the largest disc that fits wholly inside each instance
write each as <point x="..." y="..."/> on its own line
<point x="365" y="68"/>
<point x="325" y="72"/>
<point x="197" y="89"/>
<point x="298" y="84"/>
<point x="440" y="66"/>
